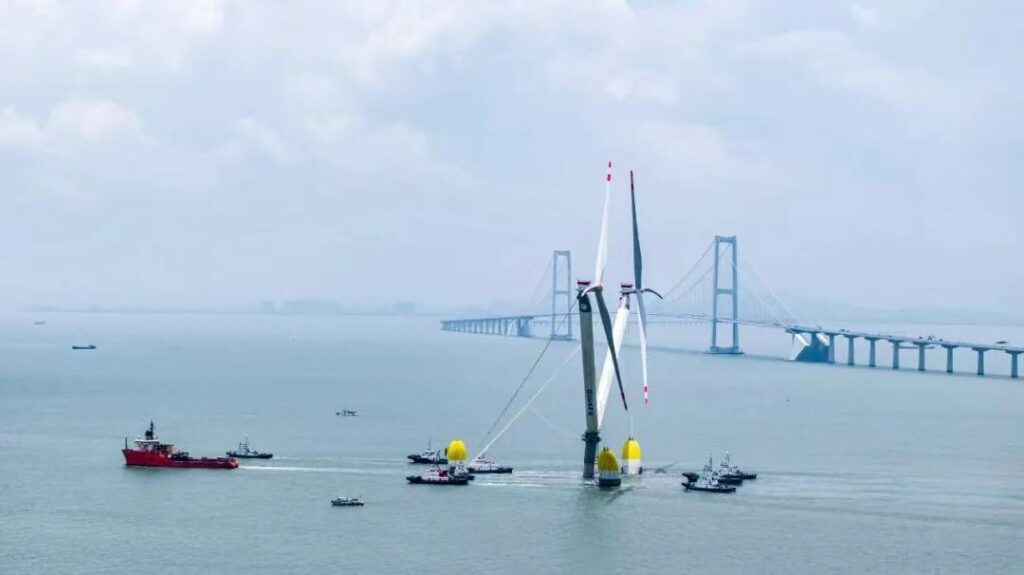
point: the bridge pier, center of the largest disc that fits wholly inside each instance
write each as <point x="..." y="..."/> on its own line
<point x="949" y="357"/>
<point x="732" y="292"/>
<point x="920" y="356"/>
<point x="981" y="359"/>
<point x="849" y="349"/>
<point x="1013" y="363"/>
<point x="831" y="347"/>
<point x="895" y="353"/>
<point x="871" y="350"/>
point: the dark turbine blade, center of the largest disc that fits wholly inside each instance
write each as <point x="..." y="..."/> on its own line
<point x="638" y="258"/>
<point x="606" y="321"/>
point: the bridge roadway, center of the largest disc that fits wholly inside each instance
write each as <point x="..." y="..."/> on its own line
<point x="823" y="339"/>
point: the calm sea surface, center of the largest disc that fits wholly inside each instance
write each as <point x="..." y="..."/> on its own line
<point x="865" y="471"/>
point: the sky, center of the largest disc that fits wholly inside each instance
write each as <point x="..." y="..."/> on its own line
<point x="217" y="153"/>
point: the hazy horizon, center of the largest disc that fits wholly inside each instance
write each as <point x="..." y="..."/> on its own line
<point x="215" y="153"/>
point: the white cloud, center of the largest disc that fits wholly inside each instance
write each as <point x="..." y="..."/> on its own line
<point x="695" y="151"/>
<point x="111" y="59"/>
<point x="863" y="15"/>
<point x="19" y="131"/>
<point x="93" y="120"/>
<point x="834" y="59"/>
<point x="68" y="121"/>
<point x="253" y="134"/>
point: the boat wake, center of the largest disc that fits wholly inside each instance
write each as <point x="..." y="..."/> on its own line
<point x="303" y="469"/>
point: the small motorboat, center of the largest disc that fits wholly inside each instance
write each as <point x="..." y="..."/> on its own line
<point x="90" y="346"/>
<point x="708" y="482"/>
<point x="481" y="465"/>
<point x="243" y="451"/>
<point x="429" y="456"/>
<point x="346" y="413"/>
<point x="730" y="472"/>
<point x="439" y="476"/>
<point x="347" y="502"/>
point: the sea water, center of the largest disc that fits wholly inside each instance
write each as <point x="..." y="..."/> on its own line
<point x="860" y="470"/>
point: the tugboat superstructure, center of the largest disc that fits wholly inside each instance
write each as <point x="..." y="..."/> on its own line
<point x="708" y="481"/>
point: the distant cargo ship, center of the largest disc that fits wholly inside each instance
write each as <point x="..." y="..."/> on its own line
<point x="149" y="452"/>
<point x="90" y="346"/>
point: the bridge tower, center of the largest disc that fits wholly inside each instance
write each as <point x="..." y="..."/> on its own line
<point x="562" y="295"/>
<point x="732" y="292"/>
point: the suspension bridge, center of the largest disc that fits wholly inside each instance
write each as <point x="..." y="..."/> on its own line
<point x="712" y="292"/>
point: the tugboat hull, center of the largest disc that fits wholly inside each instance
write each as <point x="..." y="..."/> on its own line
<point x="710" y="489"/>
<point x="426" y="460"/>
<point x="419" y="480"/>
<point x="490" y="470"/>
<point x="237" y="455"/>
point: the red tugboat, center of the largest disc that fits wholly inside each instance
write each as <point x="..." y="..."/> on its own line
<point x="149" y="452"/>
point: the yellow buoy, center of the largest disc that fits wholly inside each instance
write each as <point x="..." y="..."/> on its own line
<point x="606" y="461"/>
<point x="631" y="457"/>
<point x="607" y="469"/>
<point x="457" y="451"/>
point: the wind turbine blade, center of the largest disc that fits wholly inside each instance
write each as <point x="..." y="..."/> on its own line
<point x="606" y="321"/>
<point x="641" y="316"/>
<point x="638" y="257"/>
<point x="620" y="322"/>
<point x="602" y="245"/>
<point x="638" y="272"/>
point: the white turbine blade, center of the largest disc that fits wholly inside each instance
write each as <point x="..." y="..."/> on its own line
<point x="604" y="385"/>
<point x="641" y="316"/>
<point x="602" y="245"/>
<point x="638" y="272"/>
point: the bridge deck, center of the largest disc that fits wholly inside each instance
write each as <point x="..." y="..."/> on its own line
<point x="500" y="325"/>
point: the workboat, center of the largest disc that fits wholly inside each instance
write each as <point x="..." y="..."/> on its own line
<point x="437" y="475"/>
<point x="243" y="451"/>
<point x="708" y="482"/>
<point x="346" y="413"/>
<point x="347" y="502"/>
<point x="90" y="346"/>
<point x="149" y="452"/>
<point x="428" y="456"/>
<point x="481" y="465"/>
<point x="729" y="471"/>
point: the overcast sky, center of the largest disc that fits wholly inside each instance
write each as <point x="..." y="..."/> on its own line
<point x="218" y="153"/>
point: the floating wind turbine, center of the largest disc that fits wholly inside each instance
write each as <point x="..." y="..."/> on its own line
<point x="591" y="437"/>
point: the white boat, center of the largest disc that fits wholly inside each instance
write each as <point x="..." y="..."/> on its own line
<point x="438" y="475"/>
<point x="729" y="471"/>
<point x="708" y="481"/>
<point x="481" y="465"/>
